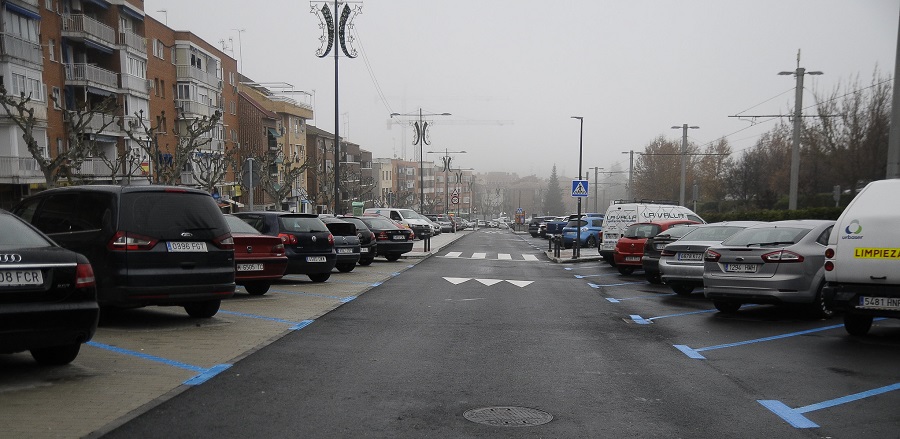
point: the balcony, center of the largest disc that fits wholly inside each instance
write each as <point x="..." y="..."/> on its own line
<point x="93" y="167"/>
<point x="135" y="84"/>
<point x="133" y="41"/>
<point x="192" y="108"/>
<point x="20" y="170"/>
<point x="89" y="31"/>
<point x="15" y="47"/>
<point x="191" y="72"/>
<point x="96" y="125"/>
<point x="91" y="75"/>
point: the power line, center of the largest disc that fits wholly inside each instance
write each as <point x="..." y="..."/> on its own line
<point x="362" y="50"/>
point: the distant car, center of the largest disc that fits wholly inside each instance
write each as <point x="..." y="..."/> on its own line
<point x="393" y="239"/>
<point x="681" y="262"/>
<point x="654" y="246"/>
<point x="781" y="262"/>
<point x="555" y="226"/>
<point x="534" y="225"/>
<point x="591" y="225"/>
<point x="148" y="245"/>
<point x="346" y="243"/>
<point x="367" y="242"/>
<point x="259" y="259"/>
<point x="630" y="247"/>
<point x="49" y="295"/>
<point x="308" y="243"/>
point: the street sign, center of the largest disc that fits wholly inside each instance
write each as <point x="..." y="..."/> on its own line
<point x="454" y="199"/>
<point x="579" y="188"/>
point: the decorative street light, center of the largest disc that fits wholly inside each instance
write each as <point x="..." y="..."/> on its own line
<point x="684" y="129"/>
<point x="576" y="246"/>
<point x="446" y="160"/>
<point x="421" y="140"/>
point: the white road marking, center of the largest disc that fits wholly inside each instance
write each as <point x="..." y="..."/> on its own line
<point x="531" y="258"/>
<point x="453" y="255"/>
<point x="456" y="280"/>
<point x="489" y="282"/>
<point x="479" y="255"/>
<point x="520" y="283"/>
<point x="504" y="257"/>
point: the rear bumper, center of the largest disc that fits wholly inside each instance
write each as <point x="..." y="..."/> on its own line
<point x="846" y="298"/>
<point x="129" y="297"/>
<point x="393" y="248"/>
<point x="41" y="325"/>
<point x="300" y="264"/>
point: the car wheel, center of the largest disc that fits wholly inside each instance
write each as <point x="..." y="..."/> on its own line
<point x="625" y="269"/>
<point x="817" y="309"/>
<point x="345" y="268"/>
<point x="392" y="257"/>
<point x="856" y="324"/>
<point x="686" y="290"/>
<point x="591" y="242"/>
<point x="56" y="355"/>
<point x="365" y="262"/>
<point x="257" y="288"/>
<point x="727" y="307"/>
<point x="319" y="277"/>
<point x="203" y="310"/>
<point x="654" y="278"/>
<point x="534" y="235"/>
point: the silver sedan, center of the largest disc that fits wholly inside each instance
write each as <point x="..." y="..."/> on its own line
<point x="776" y="263"/>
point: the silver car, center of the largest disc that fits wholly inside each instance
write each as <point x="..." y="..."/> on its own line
<point x="776" y="263"/>
<point x="681" y="262"/>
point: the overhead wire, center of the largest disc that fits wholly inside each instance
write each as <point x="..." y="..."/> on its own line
<point x="374" y="79"/>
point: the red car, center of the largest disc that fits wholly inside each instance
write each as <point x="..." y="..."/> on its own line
<point x="259" y="259"/>
<point x="630" y="247"/>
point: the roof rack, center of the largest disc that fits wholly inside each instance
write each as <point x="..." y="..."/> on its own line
<point x="643" y="201"/>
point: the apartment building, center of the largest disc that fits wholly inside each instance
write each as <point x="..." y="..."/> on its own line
<point x="257" y="135"/>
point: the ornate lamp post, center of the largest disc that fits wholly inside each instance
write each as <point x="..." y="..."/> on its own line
<point x="446" y="160"/>
<point x="421" y="140"/>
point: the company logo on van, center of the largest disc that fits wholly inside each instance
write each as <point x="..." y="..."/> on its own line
<point x="853" y="230"/>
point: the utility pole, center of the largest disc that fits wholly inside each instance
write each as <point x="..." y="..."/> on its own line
<point x="795" y="144"/>
<point x="893" y="154"/>
<point x="596" y="182"/>
<point x="684" y="129"/>
<point x="630" y="192"/>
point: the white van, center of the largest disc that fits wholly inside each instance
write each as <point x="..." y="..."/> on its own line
<point x="622" y="214"/>
<point x="418" y="223"/>
<point x="862" y="256"/>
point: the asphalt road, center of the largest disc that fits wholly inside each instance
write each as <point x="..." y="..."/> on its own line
<point x="461" y="331"/>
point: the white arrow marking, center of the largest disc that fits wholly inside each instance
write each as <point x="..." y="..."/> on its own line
<point x="520" y="283"/>
<point x="456" y="280"/>
<point x="489" y="282"/>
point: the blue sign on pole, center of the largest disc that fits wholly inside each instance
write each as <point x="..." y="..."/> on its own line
<point x="579" y="188"/>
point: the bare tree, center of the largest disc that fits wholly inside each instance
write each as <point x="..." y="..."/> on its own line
<point x="279" y="173"/>
<point x="209" y="168"/>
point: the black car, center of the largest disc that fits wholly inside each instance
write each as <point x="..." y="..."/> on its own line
<point x="654" y="246"/>
<point x="393" y="240"/>
<point x="149" y="245"/>
<point x="535" y="223"/>
<point x="346" y="243"/>
<point x="48" y="295"/>
<point x="308" y="243"/>
<point x="367" y="242"/>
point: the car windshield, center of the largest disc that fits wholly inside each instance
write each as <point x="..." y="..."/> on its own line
<point x="641" y="230"/>
<point x="17" y="234"/>
<point x="712" y="233"/>
<point x="410" y="214"/>
<point x="301" y="224"/>
<point x="238" y="225"/>
<point x="358" y="222"/>
<point x="767" y="237"/>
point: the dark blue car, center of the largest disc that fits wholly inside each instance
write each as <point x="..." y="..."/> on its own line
<point x="591" y="230"/>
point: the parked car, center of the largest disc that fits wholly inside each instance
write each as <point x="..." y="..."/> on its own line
<point x="555" y="226"/>
<point x="623" y="213"/>
<point x="393" y="240"/>
<point x="148" y="245"/>
<point x="49" y="304"/>
<point x="259" y="259"/>
<point x="308" y="243"/>
<point x="654" y="246"/>
<point x="781" y="262"/>
<point x="630" y="247"/>
<point x="861" y="273"/>
<point x="367" y="241"/>
<point x="591" y="225"/>
<point x="681" y="262"/>
<point x="534" y="225"/>
<point x="346" y="243"/>
<point x="412" y="219"/>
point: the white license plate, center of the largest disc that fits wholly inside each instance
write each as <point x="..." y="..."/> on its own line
<point x="364" y="250"/>
<point x="691" y="257"/>
<point x="741" y="268"/>
<point x="13" y="278"/>
<point x="179" y="246"/>
<point x="345" y="250"/>
<point x="315" y="259"/>
<point x="249" y="267"/>
<point x="659" y="246"/>
<point x="399" y="238"/>
<point x="632" y="258"/>
<point x="880" y="302"/>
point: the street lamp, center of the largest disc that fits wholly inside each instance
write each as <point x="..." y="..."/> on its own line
<point x="421" y="127"/>
<point x="795" y="144"/>
<point x="446" y="159"/>
<point x="684" y="129"/>
<point x="576" y="246"/>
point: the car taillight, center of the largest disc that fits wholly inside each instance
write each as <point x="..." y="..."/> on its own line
<point x="331" y="239"/>
<point x="829" y="266"/>
<point x="829" y="253"/>
<point x="84" y="276"/>
<point x="412" y="235"/>
<point x="287" y="238"/>
<point x="224" y="242"/>
<point x="782" y="256"/>
<point x="130" y="241"/>
<point x="278" y="249"/>
<point x="667" y="253"/>
<point x="381" y="236"/>
<point x="711" y="256"/>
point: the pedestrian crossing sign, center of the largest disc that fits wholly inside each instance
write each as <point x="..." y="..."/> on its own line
<point x="579" y="188"/>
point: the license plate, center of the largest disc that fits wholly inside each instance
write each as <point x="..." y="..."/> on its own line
<point x="659" y="246"/>
<point x="13" y="278"/>
<point x="741" y="268"/>
<point x="880" y="302"/>
<point x="249" y="267"/>
<point x="345" y="250"/>
<point x="632" y="258"/>
<point x="364" y="250"/>
<point x="399" y="238"/>
<point x="186" y="246"/>
<point x="691" y="257"/>
<point x="315" y="259"/>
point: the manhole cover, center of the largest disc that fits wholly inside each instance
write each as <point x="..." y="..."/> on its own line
<point x="508" y="416"/>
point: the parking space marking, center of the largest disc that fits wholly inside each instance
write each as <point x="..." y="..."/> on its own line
<point x="695" y="353"/>
<point x="795" y="417"/>
<point x="324" y="296"/>
<point x="642" y="321"/>
<point x="296" y="325"/>
<point x="204" y="375"/>
<point x="582" y="276"/>
<point x="619" y="300"/>
<point x="593" y="285"/>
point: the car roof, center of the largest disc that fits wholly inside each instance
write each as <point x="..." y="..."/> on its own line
<point x="114" y="188"/>
<point x="280" y="213"/>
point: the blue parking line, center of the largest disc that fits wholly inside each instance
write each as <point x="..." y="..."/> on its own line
<point x="582" y="276"/>
<point x="655" y="296"/>
<point x="642" y="321"/>
<point x="593" y="285"/>
<point x="795" y="417"/>
<point x="695" y="353"/>
<point x="204" y="375"/>
<point x="323" y="296"/>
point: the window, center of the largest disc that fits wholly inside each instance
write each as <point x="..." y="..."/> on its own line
<point x="48" y="4"/>
<point x="137" y="67"/>
<point x="159" y="49"/>
<point x="173" y="55"/>
<point x="22" y="27"/>
<point x="51" y="48"/>
<point x="184" y="90"/>
<point x="233" y="107"/>
<point x="56" y="99"/>
<point x="162" y="87"/>
<point x="27" y="85"/>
